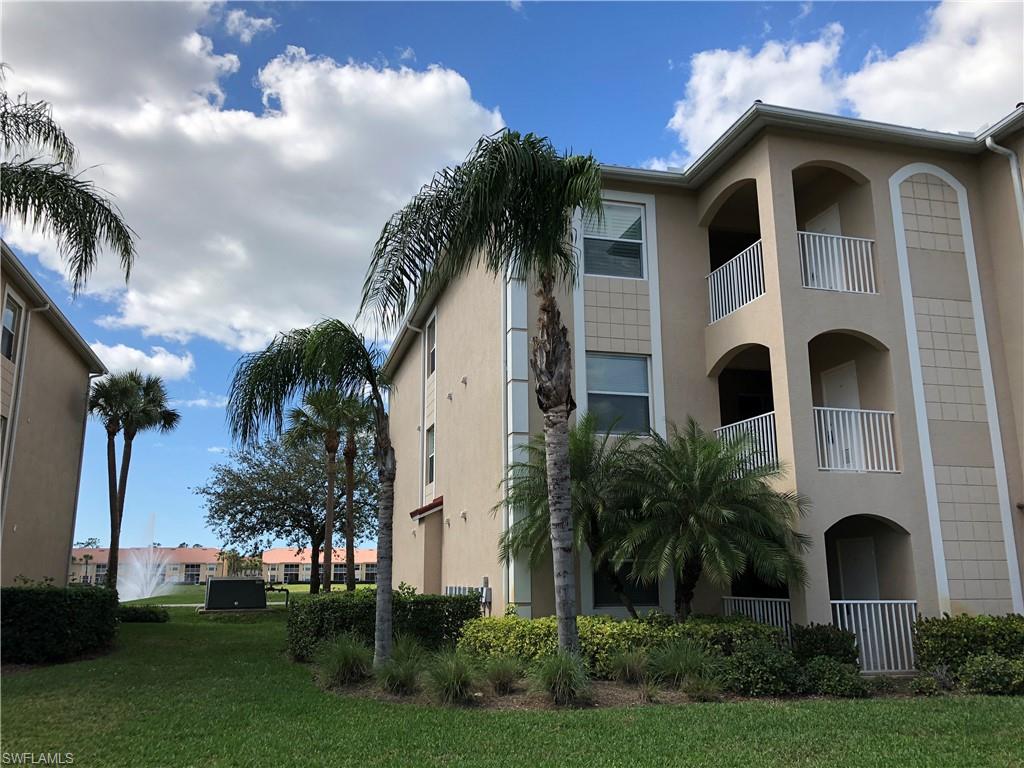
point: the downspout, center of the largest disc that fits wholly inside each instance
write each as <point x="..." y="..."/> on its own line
<point x="1018" y="190"/>
<point x="423" y="405"/>
<point x="81" y="461"/>
<point x="16" y="411"/>
<point x="506" y="568"/>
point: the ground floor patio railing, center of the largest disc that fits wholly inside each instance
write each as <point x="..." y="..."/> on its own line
<point x="773" y="611"/>
<point x="884" y="630"/>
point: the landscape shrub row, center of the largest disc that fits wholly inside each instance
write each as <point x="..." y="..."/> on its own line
<point x="48" y="624"/>
<point x="142" y="614"/>
<point x="433" y="620"/>
<point x="950" y="641"/>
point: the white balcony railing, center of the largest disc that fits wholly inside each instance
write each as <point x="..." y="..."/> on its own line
<point x="837" y="263"/>
<point x="773" y="611"/>
<point x="855" y="440"/>
<point x="761" y="430"/>
<point x="737" y="282"/>
<point x="884" y="630"/>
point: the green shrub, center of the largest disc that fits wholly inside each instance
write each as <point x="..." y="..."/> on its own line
<point x="925" y="685"/>
<point x="602" y="637"/>
<point x="825" y="676"/>
<point x="993" y="674"/>
<point x="562" y="676"/>
<point x="451" y="675"/>
<point x="951" y="640"/>
<point x="676" y="661"/>
<point x="703" y="687"/>
<point x="47" y="624"/>
<point x="813" y="640"/>
<point x="399" y="676"/>
<point x="760" y="669"/>
<point x="629" y="666"/>
<point x="435" y="620"/>
<point x="502" y="672"/>
<point x="879" y="685"/>
<point x="142" y="614"/>
<point x="408" y="648"/>
<point x="343" y="660"/>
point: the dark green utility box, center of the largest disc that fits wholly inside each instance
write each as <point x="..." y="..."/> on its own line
<point x="231" y="594"/>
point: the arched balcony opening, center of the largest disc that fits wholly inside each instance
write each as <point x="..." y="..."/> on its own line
<point x="852" y="391"/>
<point x="835" y="228"/>
<point x="745" y="400"/>
<point x="872" y="589"/>
<point x="736" y="274"/>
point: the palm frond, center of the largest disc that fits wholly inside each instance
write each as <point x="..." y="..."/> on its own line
<point x="47" y="198"/>
<point x="28" y="126"/>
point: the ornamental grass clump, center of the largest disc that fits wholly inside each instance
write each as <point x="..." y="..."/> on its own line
<point x="452" y="675"/>
<point x="503" y="672"/>
<point x="675" y="662"/>
<point x="343" y="661"/>
<point x="629" y="666"/>
<point x="563" y="677"/>
<point x="400" y="674"/>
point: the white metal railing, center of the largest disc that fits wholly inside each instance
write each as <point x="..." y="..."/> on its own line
<point x="837" y="263"/>
<point x="884" y="630"/>
<point x="773" y="611"/>
<point x="737" y="282"/>
<point x="855" y="440"/>
<point x="761" y="430"/>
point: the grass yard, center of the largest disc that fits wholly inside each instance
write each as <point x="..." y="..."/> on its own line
<point x="218" y="691"/>
<point x="190" y="594"/>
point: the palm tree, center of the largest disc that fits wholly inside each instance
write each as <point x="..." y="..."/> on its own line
<point x="127" y="403"/>
<point x="507" y="208"/>
<point x="38" y="186"/>
<point x="599" y="467"/>
<point x="709" y="510"/>
<point x="330" y="354"/>
<point x="323" y="416"/>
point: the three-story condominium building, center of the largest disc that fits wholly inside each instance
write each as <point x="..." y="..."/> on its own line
<point x="847" y="292"/>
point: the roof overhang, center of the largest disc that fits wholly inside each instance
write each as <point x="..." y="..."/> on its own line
<point x="427" y="509"/>
<point x="32" y="291"/>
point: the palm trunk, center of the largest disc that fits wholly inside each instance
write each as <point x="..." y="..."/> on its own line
<point x="686" y="583"/>
<point x="384" y="628"/>
<point x="314" y="573"/>
<point x="122" y="488"/>
<point x="115" y="521"/>
<point x="551" y="361"/>
<point x="332" y="474"/>
<point x="350" y="512"/>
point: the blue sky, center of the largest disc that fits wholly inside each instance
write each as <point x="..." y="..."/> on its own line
<point x="257" y="148"/>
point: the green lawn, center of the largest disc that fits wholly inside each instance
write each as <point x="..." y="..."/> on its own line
<point x="218" y="691"/>
<point x="191" y="594"/>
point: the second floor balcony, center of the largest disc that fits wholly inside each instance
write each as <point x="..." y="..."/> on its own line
<point x="837" y="263"/>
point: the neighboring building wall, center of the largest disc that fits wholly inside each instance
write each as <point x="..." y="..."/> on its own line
<point x="45" y="461"/>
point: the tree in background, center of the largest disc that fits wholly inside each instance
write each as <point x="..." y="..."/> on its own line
<point x="707" y="510"/>
<point x="237" y="564"/>
<point x="507" y="209"/>
<point x="39" y="188"/>
<point x="599" y="470"/>
<point x="90" y="543"/>
<point x="275" y="492"/>
<point x="127" y="403"/>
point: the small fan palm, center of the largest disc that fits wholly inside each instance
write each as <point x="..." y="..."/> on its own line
<point x="39" y="188"/>
<point x="326" y="414"/>
<point x="127" y="403"/>
<point x="710" y="511"/>
<point x="507" y="209"/>
<point x="599" y="468"/>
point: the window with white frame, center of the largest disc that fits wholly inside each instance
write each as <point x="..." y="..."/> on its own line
<point x="191" y="573"/>
<point x="613" y="245"/>
<point x="12" y="327"/>
<point x="431" y="346"/>
<point x="339" y="572"/>
<point x="291" y="573"/>
<point x="101" y="573"/>
<point x="618" y="392"/>
<point x="430" y="455"/>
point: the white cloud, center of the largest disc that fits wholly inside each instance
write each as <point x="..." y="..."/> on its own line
<point x="204" y="401"/>
<point x="805" y="11"/>
<point x="249" y="223"/>
<point x="963" y="72"/>
<point x="406" y="54"/>
<point x="246" y="27"/>
<point x="216" y="449"/>
<point x="121" y="357"/>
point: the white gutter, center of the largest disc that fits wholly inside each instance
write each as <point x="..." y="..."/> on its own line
<point x="1018" y="190"/>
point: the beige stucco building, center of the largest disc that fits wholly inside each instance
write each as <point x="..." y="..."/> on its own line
<point x="849" y="292"/>
<point x="177" y="565"/>
<point x="45" y="370"/>
<point x="286" y="565"/>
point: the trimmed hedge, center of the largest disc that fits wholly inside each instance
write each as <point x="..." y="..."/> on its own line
<point x="142" y="614"/>
<point x="602" y="638"/>
<point x="951" y="640"/>
<point x="47" y="624"/>
<point x="993" y="674"/>
<point x="434" y="620"/>
<point x="814" y="640"/>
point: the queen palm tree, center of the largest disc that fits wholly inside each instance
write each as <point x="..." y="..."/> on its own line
<point x="711" y="509"/>
<point x="39" y="188"/>
<point x="507" y="208"/>
<point x="599" y="467"/>
<point x="323" y="416"/>
<point x="127" y="403"/>
<point x="333" y="355"/>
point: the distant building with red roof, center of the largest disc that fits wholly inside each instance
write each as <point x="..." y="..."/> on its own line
<point x="290" y="566"/>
